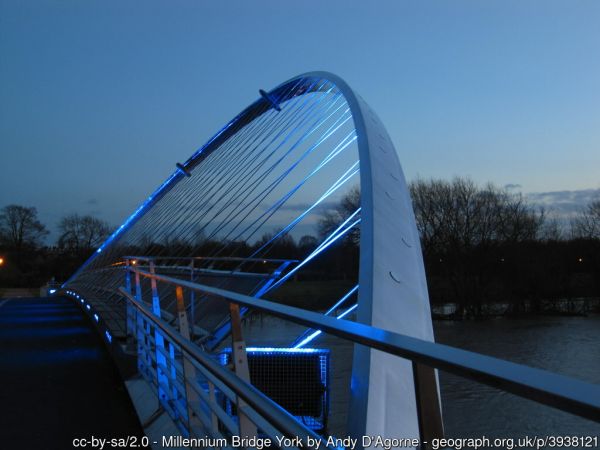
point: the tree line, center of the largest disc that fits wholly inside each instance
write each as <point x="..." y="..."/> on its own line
<point x="482" y="245"/>
<point x="28" y="261"/>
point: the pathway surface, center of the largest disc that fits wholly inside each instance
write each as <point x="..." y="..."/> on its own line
<point x="57" y="380"/>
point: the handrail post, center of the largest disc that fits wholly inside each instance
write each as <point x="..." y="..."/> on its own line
<point x="142" y="331"/>
<point x="192" y="297"/>
<point x="189" y="371"/>
<point x="428" y="404"/>
<point x="130" y="311"/>
<point x="158" y="338"/>
<point x="240" y="364"/>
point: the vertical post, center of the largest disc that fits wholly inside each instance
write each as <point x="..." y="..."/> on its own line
<point x="214" y="421"/>
<point x="144" y="360"/>
<point x="192" y="297"/>
<point x="139" y="325"/>
<point x="189" y="371"/>
<point x="428" y="404"/>
<point x="162" y="379"/>
<point x="240" y="364"/>
<point x="130" y="309"/>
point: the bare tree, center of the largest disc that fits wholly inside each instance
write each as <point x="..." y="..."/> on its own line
<point x="465" y="226"/>
<point x="552" y="229"/>
<point x="308" y="243"/>
<point x="587" y="224"/>
<point x="332" y="218"/>
<point x="82" y="232"/>
<point x="20" y="227"/>
<point x="459" y="214"/>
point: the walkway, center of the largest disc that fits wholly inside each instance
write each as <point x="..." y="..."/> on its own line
<point x="57" y="380"/>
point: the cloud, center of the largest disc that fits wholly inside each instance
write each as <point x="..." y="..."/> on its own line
<point x="564" y="203"/>
<point x="512" y="186"/>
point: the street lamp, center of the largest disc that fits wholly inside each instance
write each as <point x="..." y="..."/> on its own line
<point x="1" y="261"/>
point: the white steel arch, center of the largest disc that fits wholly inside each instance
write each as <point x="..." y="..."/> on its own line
<point x="392" y="285"/>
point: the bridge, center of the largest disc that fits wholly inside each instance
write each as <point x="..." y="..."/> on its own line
<point x="170" y="291"/>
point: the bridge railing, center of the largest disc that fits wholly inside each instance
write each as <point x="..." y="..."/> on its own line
<point x="198" y="392"/>
<point x="170" y="352"/>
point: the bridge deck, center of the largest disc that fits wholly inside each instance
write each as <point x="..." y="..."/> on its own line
<point x="57" y="380"/>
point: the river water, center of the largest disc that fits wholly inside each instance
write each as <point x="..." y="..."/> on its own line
<point x="565" y="345"/>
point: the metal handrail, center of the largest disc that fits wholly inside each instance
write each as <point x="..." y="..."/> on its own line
<point x="208" y="258"/>
<point x="558" y="391"/>
<point x="277" y="416"/>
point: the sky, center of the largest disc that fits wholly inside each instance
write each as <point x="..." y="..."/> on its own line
<point x="100" y="99"/>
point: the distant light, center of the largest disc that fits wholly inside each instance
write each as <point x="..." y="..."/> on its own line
<point x="96" y="317"/>
<point x="81" y="300"/>
<point x="580" y="260"/>
<point x="1" y="261"/>
<point x="88" y="307"/>
<point x="52" y="291"/>
<point x="108" y="336"/>
<point x="133" y="262"/>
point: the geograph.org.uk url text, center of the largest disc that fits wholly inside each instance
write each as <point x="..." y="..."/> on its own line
<point x="534" y="442"/>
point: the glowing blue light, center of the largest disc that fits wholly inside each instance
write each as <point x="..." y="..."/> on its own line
<point x="282" y="200"/>
<point x="81" y="300"/>
<point x="318" y="332"/>
<point x="88" y="307"/>
<point x="96" y="317"/>
<point x="334" y="236"/>
<point x="304" y="339"/>
<point x="52" y="291"/>
<point x="308" y="339"/>
<point x="108" y="336"/>
<point x="338" y="183"/>
<point x="128" y="221"/>
<point x="348" y="311"/>
<point x="281" y="350"/>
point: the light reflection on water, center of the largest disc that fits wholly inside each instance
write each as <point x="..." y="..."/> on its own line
<point x="566" y="345"/>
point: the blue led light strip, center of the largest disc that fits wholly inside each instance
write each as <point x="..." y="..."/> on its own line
<point x="334" y="187"/>
<point x="177" y="174"/>
<point x="162" y="189"/>
<point x="318" y="332"/>
<point x="269" y="212"/>
<point x="311" y="333"/>
<point x="260" y="196"/>
<point x="337" y="233"/>
<point x="240" y="160"/>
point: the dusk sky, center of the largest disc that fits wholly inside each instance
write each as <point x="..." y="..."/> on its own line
<point x="99" y="100"/>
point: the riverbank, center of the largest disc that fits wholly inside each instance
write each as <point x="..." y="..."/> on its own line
<point x="525" y="308"/>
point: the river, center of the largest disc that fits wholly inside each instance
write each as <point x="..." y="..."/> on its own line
<point x="566" y="345"/>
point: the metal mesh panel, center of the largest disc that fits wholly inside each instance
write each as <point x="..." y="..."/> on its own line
<point x="298" y="380"/>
